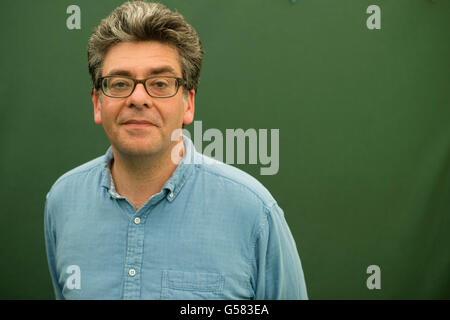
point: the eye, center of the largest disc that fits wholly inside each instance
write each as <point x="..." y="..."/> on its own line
<point x="119" y="84"/>
<point x="159" y="84"/>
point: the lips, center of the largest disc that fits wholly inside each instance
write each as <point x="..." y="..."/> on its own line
<point x="137" y="124"/>
<point x="135" y="121"/>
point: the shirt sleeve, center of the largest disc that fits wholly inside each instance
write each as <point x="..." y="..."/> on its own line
<point x="50" y="245"/>
<point x="279" y="270"/>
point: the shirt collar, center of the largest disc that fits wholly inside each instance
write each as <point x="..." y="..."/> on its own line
<point x="172" y="186"/>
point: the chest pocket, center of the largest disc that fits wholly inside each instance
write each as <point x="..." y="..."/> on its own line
<point x="185" y="285"/>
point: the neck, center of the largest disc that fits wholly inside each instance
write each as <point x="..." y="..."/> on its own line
<point x="139" y="178"/>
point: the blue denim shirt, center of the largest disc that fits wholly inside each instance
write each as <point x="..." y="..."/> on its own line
<point x="213" y="232"/>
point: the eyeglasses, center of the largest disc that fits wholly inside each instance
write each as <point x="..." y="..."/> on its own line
<point x="156" y="86"/>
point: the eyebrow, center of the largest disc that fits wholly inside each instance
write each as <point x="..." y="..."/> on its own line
<point x="150" y="72"/>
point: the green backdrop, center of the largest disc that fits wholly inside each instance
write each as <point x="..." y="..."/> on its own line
<point x="364" y="175"/>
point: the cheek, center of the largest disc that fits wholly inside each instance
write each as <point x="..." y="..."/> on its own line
<point x="172" y="116"/>
<point x="182" y="110"/>
<point x="178" y="120"/>
<point x="108" y="116"/>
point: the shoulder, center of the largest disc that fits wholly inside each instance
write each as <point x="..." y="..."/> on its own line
<point x="236" y="194"/>
<point x="234" y="181"/>
<point x="79" y="175"/>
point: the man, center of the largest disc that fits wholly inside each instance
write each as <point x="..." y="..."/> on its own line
<point x="151" y="219"/>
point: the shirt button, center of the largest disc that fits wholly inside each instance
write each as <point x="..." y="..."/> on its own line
<point x="132" y="272"/>
<point x="137" y="220"/>
<point x="171" y="195"/>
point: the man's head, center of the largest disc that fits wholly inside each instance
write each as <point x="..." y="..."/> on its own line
<point x="142" y="40"/>
<point x="141" y="21"/>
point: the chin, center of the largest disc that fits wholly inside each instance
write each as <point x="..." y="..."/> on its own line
<point x="139" y="149"/>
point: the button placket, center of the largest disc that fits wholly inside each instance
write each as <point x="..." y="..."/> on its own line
<point x="134" y="257"/>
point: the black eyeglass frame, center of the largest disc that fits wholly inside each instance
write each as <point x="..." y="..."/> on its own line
<point x="179" y="81"/>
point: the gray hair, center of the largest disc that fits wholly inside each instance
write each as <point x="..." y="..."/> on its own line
<point x="142" y="21"/>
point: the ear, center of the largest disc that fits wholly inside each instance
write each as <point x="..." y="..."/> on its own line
<point x="97" y="107"/>
<point x="189" y="108"/>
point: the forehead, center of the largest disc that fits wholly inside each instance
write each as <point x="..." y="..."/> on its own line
<point x="140" y="59"/>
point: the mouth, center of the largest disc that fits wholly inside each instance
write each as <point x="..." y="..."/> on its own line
<point x="137" y="123"/>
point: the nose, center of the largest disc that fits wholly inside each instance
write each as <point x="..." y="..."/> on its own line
<point x="139" y="98"/>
